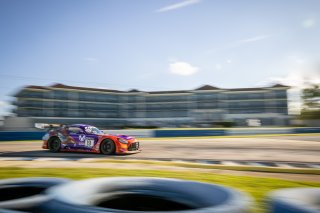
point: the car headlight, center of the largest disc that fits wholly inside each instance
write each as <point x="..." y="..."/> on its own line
<point x="121" y="140"/>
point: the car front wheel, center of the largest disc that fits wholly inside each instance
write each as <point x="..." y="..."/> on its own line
<point x="107" y="147"/>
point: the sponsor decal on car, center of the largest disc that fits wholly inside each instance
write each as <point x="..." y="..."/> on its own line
<point x="82" y="138"/>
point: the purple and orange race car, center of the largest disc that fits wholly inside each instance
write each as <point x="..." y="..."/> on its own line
<point x="86" y="138"/>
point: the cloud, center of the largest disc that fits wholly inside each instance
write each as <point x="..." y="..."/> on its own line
<point x="178" y="5"/>
<point x="5" y="108"/>
<point x="309" y="23"/>
<point x="302" y="71"/>
<point x="182" y="68"/>
<point x="3" y="104"/>
<point x="239" y="43"/>
<point x="253" y="39"/>
<point x="298" y="79"/>
<point x="91" y="60"/>
<point x="218" y="66"/>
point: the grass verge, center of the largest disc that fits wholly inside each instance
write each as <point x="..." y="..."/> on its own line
<point x="257" y="187"/>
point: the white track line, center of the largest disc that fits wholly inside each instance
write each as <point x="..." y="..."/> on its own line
<point x="284" y="165"/>
<point x="231" y="163"/>
<point x="52" y="159"/>
<point x="15" y="159"/>
<point x="256" y="164"/>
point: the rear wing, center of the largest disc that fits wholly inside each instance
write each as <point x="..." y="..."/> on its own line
<point x="46" y="126"/>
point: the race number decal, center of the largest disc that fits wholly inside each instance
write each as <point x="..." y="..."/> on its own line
<point x="89" y="142"/>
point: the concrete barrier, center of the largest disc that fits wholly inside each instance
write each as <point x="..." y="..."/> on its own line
<point x="143" y="133"/>
<point x="306" y="130"/>
<point x="159" y="133"/>
<point x="258" y="131"/>
<point x="189" y="133"/>
<point x="16" y="136"/>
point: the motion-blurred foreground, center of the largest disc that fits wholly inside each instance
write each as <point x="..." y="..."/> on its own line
<point x="142" y="194"/>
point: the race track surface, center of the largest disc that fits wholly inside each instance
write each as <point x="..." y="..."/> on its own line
<point x="286" y="148"/>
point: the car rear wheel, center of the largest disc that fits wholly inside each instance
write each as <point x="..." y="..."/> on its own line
<point x="107" y="147"/>
<point x="54" y="145"/>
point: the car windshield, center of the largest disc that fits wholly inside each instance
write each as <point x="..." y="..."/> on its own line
<point x="92" y="130"/>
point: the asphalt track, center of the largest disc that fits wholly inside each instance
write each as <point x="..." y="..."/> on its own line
<point x="281" y="149"/>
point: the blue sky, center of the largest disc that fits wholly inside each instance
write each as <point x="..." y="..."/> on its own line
<point x="158" y="44"/>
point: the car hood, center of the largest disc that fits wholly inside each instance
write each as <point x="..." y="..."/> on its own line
<point x="126" y="137"/>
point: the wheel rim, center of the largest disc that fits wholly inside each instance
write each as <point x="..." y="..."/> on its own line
<point x="54" y="144"/>
<point x="107" y="147"/>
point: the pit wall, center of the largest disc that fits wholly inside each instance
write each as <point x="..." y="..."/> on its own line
<point x="162" y="133"/>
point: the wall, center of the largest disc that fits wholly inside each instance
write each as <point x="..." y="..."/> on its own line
<point x="37" y="135"/>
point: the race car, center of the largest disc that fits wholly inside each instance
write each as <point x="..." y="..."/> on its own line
<point x="86" y="138"/>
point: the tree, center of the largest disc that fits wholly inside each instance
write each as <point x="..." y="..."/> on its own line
<point x="311" y="103"/>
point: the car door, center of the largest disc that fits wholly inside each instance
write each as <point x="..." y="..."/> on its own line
<point x="78" y="136"/>
<point x="90" y="140"/>
<point x="92" y="137"/>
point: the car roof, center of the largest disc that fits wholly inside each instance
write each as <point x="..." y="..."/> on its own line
<point x="79" y="125"/>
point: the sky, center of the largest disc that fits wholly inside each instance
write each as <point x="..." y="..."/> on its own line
<point x="158" y="44"/>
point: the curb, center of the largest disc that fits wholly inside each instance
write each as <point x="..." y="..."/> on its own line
<point x="274" y="164"/>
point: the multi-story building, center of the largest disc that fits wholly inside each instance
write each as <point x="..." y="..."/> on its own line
<point x="206" y="105"/>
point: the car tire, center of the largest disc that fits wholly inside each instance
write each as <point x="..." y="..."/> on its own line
<point x="140" y="194"/>
<point x="294" y="200"/>
<point x="25" y="194"/>
<point x="107" y="147"/>
<point x="54" y="144"/>
<point x="10" y="211"/>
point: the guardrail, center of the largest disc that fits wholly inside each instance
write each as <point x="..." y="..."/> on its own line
<point x="17" y="136"/>
<point x="161" y="133"/>
<point x="189" y="133"/>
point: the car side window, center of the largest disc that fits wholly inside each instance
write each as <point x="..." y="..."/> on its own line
<point x="75" y="130"/>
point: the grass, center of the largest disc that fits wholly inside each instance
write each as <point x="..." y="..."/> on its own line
<point x="257" y="187"/>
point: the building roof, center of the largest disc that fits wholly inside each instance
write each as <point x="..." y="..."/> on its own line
<point x="203" y="88"/>
<point x="258" y="88"/>
<point x="279" y="85"/>
<point x="63" y="86"/>
<point x="207" y="87"/>
<point x="134" y="90"/>
<point x="35" y="87"/>
<point x="32" y="87"/>
<point x="247" y="89"/>
<point x="168" y="92"/>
